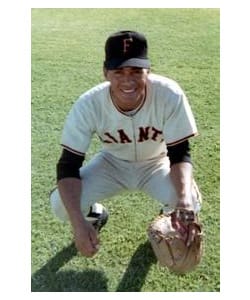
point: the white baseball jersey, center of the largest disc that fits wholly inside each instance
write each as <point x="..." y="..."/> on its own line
<point x="164" y="118"/>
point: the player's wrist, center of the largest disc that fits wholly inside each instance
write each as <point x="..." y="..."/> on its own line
<point x="185" y="202"/>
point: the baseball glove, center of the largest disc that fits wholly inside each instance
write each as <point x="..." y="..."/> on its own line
<point x="176" y="239"/>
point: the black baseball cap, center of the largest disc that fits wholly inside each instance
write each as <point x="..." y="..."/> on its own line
<point x="126" y="49"/>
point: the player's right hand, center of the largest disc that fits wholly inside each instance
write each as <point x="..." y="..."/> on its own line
<point x="86" y="239"/>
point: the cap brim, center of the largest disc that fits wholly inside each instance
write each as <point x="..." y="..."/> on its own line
<point x="132" y="62"/>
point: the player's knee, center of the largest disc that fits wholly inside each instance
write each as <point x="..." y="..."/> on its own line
<point x="57" y="206"/>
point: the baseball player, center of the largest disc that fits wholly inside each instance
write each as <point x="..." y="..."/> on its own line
<point x="143" y="121"/>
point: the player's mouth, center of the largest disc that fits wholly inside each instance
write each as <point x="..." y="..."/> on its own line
<point x="129" y="95"/>
<point x="128" y="91"/>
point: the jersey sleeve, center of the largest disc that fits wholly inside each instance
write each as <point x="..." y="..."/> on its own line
<point x="180" y="123"/>
<point x="78" y="128"/>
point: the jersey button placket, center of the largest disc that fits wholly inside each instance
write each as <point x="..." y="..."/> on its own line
<point x="134" y="138"/>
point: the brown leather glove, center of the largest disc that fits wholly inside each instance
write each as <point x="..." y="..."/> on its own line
<point x="176" y="239"/>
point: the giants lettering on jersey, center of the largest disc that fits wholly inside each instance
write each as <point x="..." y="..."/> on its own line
<point x="144" y="134"/>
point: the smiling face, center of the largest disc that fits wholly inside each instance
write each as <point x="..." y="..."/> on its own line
<point x="127" y="86"/>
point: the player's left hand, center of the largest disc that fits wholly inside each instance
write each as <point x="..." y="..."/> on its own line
<point x="192" y="230"/>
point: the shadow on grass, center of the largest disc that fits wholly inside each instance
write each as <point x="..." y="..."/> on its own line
<point x="49" y="279"/>
<point x="137" y="270"/>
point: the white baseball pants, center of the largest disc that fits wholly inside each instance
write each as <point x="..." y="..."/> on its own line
<point x="105" y="176"/>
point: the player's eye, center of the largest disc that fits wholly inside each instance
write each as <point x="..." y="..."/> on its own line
<point x="138" y="70"/>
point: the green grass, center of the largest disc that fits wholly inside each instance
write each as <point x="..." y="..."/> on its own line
<point x="67" y="57"/>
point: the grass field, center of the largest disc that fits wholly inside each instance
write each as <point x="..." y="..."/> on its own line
<point x="67" y="57"/>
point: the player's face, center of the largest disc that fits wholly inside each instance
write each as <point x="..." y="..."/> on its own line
<point x="127" y="86"/>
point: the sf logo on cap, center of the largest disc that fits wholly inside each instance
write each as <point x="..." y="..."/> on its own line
<point x="126" y="44"/>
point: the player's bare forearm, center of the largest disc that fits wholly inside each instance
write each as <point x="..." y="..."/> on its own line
<point x="70" y="191"/>
<point x="86" y="238"/>
<point x="181" y="175"/>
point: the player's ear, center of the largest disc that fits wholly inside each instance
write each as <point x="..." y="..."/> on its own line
<point x="105" y="72"/>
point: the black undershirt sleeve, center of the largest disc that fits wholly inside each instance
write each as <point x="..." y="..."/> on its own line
<point x="69" y="165"/>
<point x="179" y="153"/>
